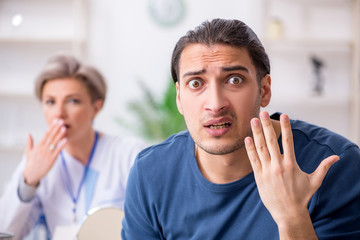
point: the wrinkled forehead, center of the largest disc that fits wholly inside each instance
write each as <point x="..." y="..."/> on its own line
<point x="197" y="57"/>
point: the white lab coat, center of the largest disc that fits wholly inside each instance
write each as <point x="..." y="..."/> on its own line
<point x="105" y="186"/>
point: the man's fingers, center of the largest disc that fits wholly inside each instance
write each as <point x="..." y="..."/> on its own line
<point x="252" y="154"/>
<point x="270" y="137"/>
<point x="287" y="137"/>
<point x="319" y="174"/>
<point x="260" y="144"/>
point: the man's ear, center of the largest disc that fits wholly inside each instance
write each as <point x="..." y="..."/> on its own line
<point x="178" y="103"/>
<point x="265" y="90"/>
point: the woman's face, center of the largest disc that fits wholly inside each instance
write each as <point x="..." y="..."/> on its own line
<point x="69" y="99"/>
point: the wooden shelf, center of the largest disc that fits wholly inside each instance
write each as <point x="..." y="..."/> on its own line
<point x="41" y="40"/>
<point x="311" y="101"/>
<point x="17" y="94"/>
<point x="329" y="29"/>
<point x="308" y="44"/>
<point x="316" y="3"/>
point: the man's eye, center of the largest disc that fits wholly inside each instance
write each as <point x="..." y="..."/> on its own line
<point x="195" y="84"/>
<point x="235" y="80"/>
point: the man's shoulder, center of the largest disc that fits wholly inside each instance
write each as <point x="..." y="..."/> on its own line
<point x="310" y="136"/>
<point x="161" y="162"/>
<point x="176" y="145"/>
<point x="320" y="137"/>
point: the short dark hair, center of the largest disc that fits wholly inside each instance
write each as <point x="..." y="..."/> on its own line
<point x="223" y="31"/>
<point x="66" y="66"/>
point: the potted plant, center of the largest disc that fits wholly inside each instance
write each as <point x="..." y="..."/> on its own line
<point x="157" y="119"/>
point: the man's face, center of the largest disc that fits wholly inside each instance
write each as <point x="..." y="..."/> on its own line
<point x="218" y="95"/>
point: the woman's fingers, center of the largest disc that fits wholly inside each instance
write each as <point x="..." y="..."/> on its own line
<point x="41" y="157"/>
<point x="60" y="146"/>
<point x="49" y="132"/>
<point x="60" y="134"/>
<point x="55" y="131"/>
<point x="29" y="143"/>
<point x="53" y="134"/>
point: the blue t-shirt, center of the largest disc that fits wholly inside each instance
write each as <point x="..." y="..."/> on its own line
<point x="168" y="198"/>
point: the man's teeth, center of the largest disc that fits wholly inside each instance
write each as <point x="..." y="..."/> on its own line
<point x="220" y="125"/>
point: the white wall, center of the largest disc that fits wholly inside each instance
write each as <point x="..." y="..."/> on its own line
<point x="128" y="46"/>
<point x="123" y="42"/>
<point x="322" y="29"/>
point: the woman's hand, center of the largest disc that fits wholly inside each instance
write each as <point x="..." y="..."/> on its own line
<point x="41" y="158"/>
<point x="283" y="187"/>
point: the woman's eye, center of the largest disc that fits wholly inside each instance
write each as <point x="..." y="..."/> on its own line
<point x="73" y="100"/>
<point x="49" y="102"/>
<point x="194" y="84"/>
<point x="235" y="80"/>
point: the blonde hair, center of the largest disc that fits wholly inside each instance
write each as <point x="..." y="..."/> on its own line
<point x="66" y="66"/>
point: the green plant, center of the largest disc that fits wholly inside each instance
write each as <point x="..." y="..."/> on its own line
<point x="157" y="119"/>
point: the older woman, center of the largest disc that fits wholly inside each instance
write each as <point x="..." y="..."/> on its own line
<point x="73" y="167"/>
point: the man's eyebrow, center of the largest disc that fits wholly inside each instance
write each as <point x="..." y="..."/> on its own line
<point x="225" y="69"/>
<point x="232" y="68"/>
<point x="193" y="73"/>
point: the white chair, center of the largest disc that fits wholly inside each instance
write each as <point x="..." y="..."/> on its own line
<point x="101" y="223"/>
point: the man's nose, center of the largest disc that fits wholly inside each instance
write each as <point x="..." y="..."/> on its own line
<point x="216" y="100"/>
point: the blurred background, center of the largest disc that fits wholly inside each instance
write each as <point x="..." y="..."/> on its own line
<point x="313" y="46"/>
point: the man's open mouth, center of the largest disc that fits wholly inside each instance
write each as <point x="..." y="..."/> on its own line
<point x="220" y="125"/>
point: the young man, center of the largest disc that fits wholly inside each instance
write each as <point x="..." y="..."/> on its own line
<point x="237" y="173"/>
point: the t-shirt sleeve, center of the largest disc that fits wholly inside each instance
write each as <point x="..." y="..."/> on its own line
<point x="335" y="209"/>
<point x="136" y="223"/>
